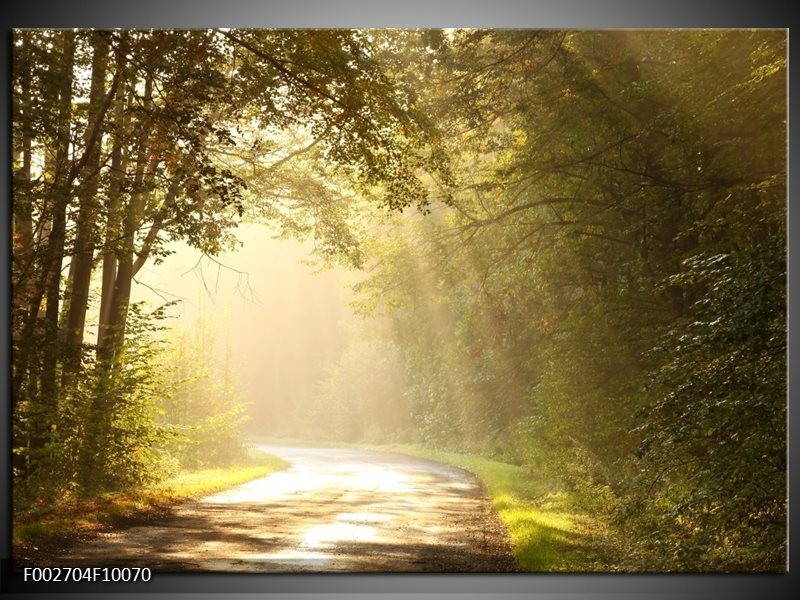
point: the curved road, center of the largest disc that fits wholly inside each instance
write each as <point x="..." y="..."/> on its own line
<point x="332" y="510"/>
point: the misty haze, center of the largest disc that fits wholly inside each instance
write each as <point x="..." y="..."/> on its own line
<point x="279" y="321"/>
<point x="399" y="300"/>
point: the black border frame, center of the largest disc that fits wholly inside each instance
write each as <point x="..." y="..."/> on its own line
<point x="576" y="14"/>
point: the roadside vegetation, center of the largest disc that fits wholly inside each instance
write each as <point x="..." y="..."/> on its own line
<point x="74" y="516"/>
<point x="549" y="529"/>
<point x="571" y="257"/>
<point x="603" y="300"/>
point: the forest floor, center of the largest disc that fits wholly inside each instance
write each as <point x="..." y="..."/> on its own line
<point x="334" y="509"/>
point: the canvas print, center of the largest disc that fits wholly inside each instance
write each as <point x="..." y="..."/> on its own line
<point x="398" y="300"/>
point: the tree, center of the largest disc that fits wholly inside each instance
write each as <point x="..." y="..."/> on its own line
<point x="601" y="220"/>
<point x="202" y="409"/>
<point x="131" y="129"/>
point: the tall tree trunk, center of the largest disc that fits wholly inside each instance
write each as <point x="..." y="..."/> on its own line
<point x="115" y="299"/>
<point x="85" y="234"/>
<point x="146" y="166"/>
<point x="23" y="205"/>
<point x="126" y="265"/>
<point x="22" y="239"/>
<point x="119" y="165"/>
<point x="59" y="199"/>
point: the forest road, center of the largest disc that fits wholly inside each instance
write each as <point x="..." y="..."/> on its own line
<point x="333" y="510"/>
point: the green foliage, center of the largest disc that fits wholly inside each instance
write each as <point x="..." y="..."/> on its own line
<point x="714" y="452"/>
<point x="547" y="531"/>
<point x="127" y="447"/>
<point x="202" y="409"/>
<point x="253" y="465"/>
<point x="71" y="516"/>
<point x="330" y="83"/>
<point x="159" y="153"/>
<point x="605" y="301"/>
<point x="593" y="289"/>
<point x="362" y="397"/>
<point x="122" y="446"/>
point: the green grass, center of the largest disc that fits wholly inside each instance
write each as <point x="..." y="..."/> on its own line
<point x="208" y="481"/>
<point x="546" y="531"/>
<point x="111" y="509"/>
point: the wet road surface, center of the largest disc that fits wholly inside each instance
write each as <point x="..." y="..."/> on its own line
<point x="333" y="510"/>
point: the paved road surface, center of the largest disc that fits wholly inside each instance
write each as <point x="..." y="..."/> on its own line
<point x="332" y="510"/>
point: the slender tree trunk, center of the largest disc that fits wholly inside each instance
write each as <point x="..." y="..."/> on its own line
<point x="22" y="242"/>
<point x="126" y="266"/>
<point x="120" y="235"/>
<point x="119" y="164"/>
<point x="23" y="205"/>
<point x="59" y="199"/>
<point x="82" y="261"/>
<point x="146" y="166"/>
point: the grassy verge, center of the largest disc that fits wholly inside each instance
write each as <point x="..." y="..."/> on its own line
<point x="547" y="532"/>
<point x="115" y="509"/>
<point x="193" y="483"/>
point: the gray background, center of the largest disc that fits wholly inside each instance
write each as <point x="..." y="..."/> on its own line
<point x="580" y="14"/>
